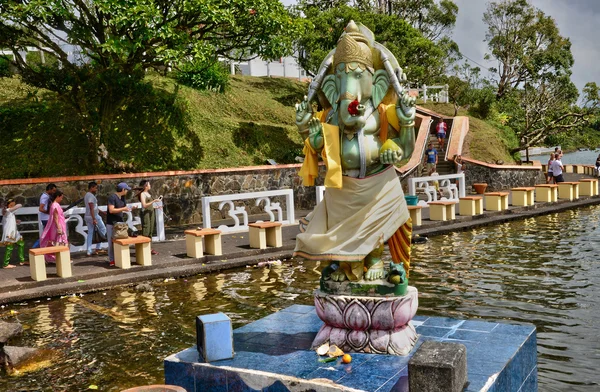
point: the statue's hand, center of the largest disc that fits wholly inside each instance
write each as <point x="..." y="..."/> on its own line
<point x="406" y="109"/>
<point x="304" y="113"/>
<point x="315" y="133"/>
<point x="389" y="156"/>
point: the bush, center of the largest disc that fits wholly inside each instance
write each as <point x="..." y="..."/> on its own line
<point x="198" y="75"/>
<point x="50" y="60"/>
<point x="484" y="102"/>
<point x="4" y="67"/>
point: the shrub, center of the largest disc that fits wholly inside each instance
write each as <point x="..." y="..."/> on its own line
<point x="198" y="75"/>
<point x="50" y="60"/>
<point x="4" y="67"/>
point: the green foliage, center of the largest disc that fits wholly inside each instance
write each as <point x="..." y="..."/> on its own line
<point x="421" y="59"/>
<point x="214" y="77"/>
<point x="434" y="19"/>
<point x="124" y="38"/>
<point x="34" y="59"/>
<point x="165" y="126"/>
<point x="526" y="43"/>
<point x="483" y="100"/>
<point x="4" y="67"/>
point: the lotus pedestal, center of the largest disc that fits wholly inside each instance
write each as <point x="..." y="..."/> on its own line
<point x="371" y="324"/>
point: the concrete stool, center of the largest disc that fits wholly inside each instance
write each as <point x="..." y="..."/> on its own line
<point x="442" y="210"/>
<point x="568" y="168"/>
<point x="415" y="215"/>
<point x="193" y="242"/>
<point x="579" y="169"/>
<point x="568" y="190"/>
<point x="37" y="264"/>
<point x="470" y="205"/>
<point x="547" y="193"/>
<point x="496" y="201"/>
<point x="588" y="187"/>
<point x="263" y="234"/>
<point x="523" y="196"/>
<point x="142" y="251"/>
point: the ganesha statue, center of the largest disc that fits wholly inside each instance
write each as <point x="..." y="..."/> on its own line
<point x="367" y="125"/>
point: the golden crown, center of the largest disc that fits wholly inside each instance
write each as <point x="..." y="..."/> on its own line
<point x="353" y="46"/>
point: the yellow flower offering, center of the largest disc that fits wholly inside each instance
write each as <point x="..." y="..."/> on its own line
<point x="389" y="145"/>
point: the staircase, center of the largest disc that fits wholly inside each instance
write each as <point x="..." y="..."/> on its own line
<point x="443" y="166"/>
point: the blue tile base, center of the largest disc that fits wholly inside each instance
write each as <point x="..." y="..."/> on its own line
<point x="273" y="354"/>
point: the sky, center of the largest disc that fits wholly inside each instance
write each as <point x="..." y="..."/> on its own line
<point x="576" y="19"/>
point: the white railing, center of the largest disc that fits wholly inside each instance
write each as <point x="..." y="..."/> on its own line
<point x="449" y="190"/>
<point x="76" y="214"/>
<point x="235" y="211"/>
<point x="426" y="94"/>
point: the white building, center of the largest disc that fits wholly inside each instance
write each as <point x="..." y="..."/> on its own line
<point x="286" y="67"/>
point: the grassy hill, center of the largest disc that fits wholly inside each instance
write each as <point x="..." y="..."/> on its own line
<point x="169" y="127"/>
<point x="173" y="127"/>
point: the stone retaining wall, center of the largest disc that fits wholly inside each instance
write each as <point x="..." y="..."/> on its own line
<point x="182" y="191"/>
<point x="500" y="177"/>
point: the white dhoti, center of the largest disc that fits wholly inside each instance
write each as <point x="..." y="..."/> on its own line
<point x="349" y="223"/>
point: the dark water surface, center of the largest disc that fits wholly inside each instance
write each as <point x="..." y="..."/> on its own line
<point x="543" y="270"/>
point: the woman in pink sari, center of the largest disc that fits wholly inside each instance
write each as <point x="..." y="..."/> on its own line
<point x="55" y="232"/>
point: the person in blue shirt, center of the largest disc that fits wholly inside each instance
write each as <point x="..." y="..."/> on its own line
<point x="431" y="156"/>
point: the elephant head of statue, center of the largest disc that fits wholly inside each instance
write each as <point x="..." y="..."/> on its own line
<point x="357" y="82"/>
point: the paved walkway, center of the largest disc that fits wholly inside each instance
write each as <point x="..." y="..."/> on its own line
<point x="93" y="273"/>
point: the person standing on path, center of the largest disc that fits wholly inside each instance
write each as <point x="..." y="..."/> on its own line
<point x="550" y="176"/>
<point x="55" y="233"/>
<point x="557" y="169"/>
<point x="10" y="234"/>
<point x="45" y="201"/>
<point x="440" y="129"/>
<point x="116" y="207"/>
<point x="431" y="156"/>
<point x="148" y="213"/>
<point x="92" y="218"/>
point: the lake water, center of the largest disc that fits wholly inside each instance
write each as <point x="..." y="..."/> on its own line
<point x="544" y="271"/>
<point x="578" y="157"/>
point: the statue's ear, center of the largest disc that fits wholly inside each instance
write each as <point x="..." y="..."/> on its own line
<point x="330" y="90"/>
<point x="381" y="83"/>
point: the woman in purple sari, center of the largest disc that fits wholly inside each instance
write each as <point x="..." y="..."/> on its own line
<point x="55" y="232"/>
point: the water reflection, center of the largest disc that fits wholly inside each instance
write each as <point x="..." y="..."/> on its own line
<point x="542" y="270"/>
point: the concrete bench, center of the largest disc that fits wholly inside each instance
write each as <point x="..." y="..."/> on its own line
<point x="568" y="168"/>
<point x="579" y="169"/>
<point x="37" y="264"/>
<point x="496" y="201"/>
<point x="142" y="251"/>
<point x="523" y="196"/>
<point x="415" y="215"/>
<point x="470" y="205"/>
<point x="212" y="242"/>
<point x="546" y="193"/>
<point x="588" y="187"/>
<point x="263" y="234"/>
<point x="442" y="210"/>
<point x="568" y="190"/>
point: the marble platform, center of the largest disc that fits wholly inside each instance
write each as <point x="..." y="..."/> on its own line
<point x="272" y="354"/>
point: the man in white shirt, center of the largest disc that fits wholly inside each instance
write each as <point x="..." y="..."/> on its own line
<point x="45" y="201"/>
<point x="557" y="169"/>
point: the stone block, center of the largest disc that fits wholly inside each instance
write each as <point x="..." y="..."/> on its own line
<point x="438" y="367"/>
<point x="214" y="337"/>
<point x="9" y="330"/>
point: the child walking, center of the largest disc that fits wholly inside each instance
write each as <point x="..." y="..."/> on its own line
<point x="10" y="234"/>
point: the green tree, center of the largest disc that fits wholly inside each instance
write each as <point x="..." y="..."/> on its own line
<point x="119" y="40"/>
<point x="526" y="44"/>
<point x="548" y="108"/>
<point x="434" y="19"/>
<point x="422" y="59"/>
